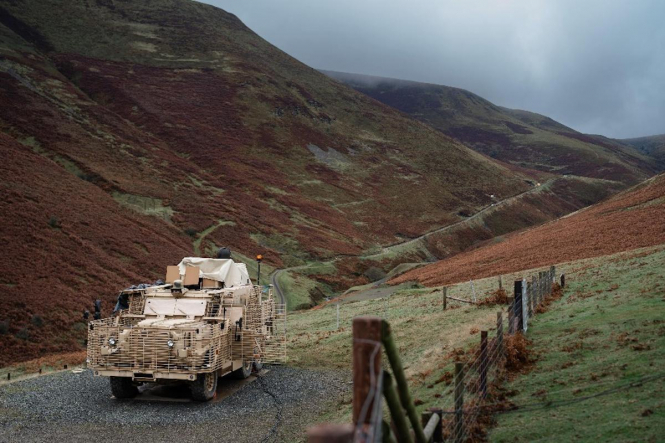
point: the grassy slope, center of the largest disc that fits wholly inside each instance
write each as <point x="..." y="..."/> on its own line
<point x="631" y="219"/>
<point x="653" y="146"/>
<point x="557" y="197"/>
<point x="589" y="342"/>
<point x="521" y="138"/>
<point x="426" y="335"/>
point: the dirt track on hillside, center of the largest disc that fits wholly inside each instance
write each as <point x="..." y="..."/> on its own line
<point x="630" y="220"/>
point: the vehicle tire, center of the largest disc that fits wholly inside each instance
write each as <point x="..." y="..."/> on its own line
<point x="244" y="372"/>
<point x="204" y="387"/>
<point x="122" y="387"/>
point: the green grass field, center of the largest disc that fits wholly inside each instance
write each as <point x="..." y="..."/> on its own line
<point x="606" y="331"/>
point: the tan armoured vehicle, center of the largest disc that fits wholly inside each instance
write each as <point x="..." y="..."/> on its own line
<point x="208" y="320"/>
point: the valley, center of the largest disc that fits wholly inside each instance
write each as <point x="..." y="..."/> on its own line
<point x="475" y="252"/>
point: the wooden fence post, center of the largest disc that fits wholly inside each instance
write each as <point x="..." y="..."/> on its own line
<point x="529" y="296"/>
<point x="483" y="364"/>
<point x="541" y="278"/>
<point x="330" y="433"/>
<point x="424" y="418"/>
<point x="525" y="306"/>
<point x="397" y="416"/>
<point x="534" y="291"/>
<point x="500" y="283"/>
<point x="563" y="280"/>
<point x="400" y="379"/>
<point x="9" y="376"/>
<point x="511" y="315"/>
<point x="551" y="279"/>
<point x="499" y="333"/>
<point x="437" y="437"/>
<point x="337" y="316"/>
<point x="366" y="372"/>
<point x="459" y="403"/>
<point x="445" y="297"/>
<point x="518" y="317"/>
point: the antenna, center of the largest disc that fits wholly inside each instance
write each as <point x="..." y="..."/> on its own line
<point x="258" y="277"/>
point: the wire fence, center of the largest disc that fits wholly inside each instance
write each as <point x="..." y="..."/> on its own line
<point x="468" y="400"/>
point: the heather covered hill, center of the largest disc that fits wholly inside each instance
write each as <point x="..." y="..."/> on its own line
<point x="179" y="102"/>
<point x="652" y="146"/>
<point x="517" y="137"/>
<point x="135" y="133"/>
<point x="66" y="242"/>
<point x="629" y="220"/>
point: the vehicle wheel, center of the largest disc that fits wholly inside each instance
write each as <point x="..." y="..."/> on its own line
<point x="204" y="387"/>
<point x="243" y="372"/>
<point x="122" y="387"/>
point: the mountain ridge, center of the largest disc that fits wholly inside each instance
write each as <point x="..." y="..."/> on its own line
<point x="518" y="137"/>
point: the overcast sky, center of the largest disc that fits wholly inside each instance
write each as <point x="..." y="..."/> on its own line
<point x="595" y="65"/>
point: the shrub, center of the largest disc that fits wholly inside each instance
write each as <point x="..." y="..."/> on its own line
<point x="4" y="327"/>
<point x="54" y="222"/>
<point x="23" y="334"/>
<point x="37" y="321"/>
<point x="517" y="351"/>
<point x="190" y="231"/>
<point x="498" y="297"/>
<point x="374" y="274"/>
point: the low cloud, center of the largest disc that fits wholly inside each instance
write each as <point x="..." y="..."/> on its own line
<point x="597" y="66"/>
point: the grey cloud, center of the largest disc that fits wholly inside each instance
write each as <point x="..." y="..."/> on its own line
<point x="595" y="65"/>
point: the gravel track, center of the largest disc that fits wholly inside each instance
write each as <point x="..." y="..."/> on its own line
<point x="78" y="407"/>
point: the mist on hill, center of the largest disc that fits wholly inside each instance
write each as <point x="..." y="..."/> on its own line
<point x="595" y="66"/>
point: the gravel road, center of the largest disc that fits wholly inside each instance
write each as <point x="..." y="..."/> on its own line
<point x="78" y="407"/>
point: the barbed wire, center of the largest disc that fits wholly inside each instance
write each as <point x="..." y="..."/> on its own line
<point x="374" y="394"/>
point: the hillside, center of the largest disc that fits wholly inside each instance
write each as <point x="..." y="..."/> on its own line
<point x="604" y="333"/>
<point x="629" y="220"/>
<point x="516" y="137"/>
<point x="145" y="131"/>
<point x="652" y="146"/>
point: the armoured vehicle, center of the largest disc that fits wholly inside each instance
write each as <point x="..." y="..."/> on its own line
<point x="205" y="321"/>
